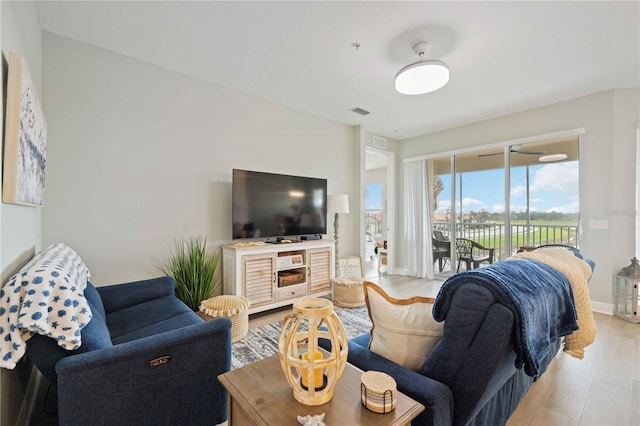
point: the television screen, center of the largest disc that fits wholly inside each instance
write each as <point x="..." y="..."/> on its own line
<point x="275" y="205"/>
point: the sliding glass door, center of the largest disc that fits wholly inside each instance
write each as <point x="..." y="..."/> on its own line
<point x="495" y="206"/>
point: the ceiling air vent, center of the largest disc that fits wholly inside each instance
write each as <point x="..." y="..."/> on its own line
<point x="360" y="111"/>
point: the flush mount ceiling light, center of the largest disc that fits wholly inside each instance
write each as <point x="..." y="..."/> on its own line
<point x="424" y="76"/>
<point x="552" y="157"/>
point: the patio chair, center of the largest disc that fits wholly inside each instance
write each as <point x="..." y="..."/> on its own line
<point x="441" y="251"/>
<point x="438" y="235"/>
<point x="472" y="253"/>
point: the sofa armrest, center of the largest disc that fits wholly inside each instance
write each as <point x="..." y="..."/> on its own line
<point x="169" y="378"/>
<point x="119" y="296"/>
<point x="435" y="396"/>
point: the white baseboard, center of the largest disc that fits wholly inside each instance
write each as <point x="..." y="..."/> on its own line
<point x="30" y="397"/>
<point x="603" y="308"/>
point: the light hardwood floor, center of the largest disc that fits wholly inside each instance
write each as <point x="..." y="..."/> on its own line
<point x="602" y="389"/>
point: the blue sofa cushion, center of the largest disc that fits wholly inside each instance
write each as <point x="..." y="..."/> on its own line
<point x="95" y="335"/>
<point x="119" y="296"/>
<point x="151" y="317"/>
<point x="94" y="300"/>
<point x="182" y="320"/>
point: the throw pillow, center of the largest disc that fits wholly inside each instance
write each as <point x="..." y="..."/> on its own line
<point x="404" y="330"/>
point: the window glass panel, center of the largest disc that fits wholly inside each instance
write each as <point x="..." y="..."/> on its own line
<point x="441" y="196"/>
<point x="373" y="210"/>
<point x="480" y="204"/>
<point x="440" y="179"/>
<point x="544" y="194"/>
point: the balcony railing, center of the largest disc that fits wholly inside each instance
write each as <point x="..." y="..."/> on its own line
<point x="492" y="235"/>
<point x="373" y="222"/>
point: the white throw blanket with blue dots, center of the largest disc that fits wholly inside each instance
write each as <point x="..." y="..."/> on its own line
<point x="45" y="297"/>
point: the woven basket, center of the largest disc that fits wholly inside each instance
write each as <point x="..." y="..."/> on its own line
<point x="232" y="307"/>
<point x="347" y="292"/>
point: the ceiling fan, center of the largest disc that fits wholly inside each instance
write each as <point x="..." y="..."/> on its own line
<point x="515" y="149"/>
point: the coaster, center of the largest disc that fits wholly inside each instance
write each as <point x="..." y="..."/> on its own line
<point x="378" y="392"/>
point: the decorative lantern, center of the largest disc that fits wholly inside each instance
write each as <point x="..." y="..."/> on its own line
<point x="312" y="377"/>
<point x="626" y="288"/>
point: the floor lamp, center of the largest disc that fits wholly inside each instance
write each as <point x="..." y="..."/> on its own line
<point x="337" y="203"/>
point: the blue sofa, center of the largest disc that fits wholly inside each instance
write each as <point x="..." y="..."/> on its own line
<point x="476" y="375"/>
<point x="145" y="359"/>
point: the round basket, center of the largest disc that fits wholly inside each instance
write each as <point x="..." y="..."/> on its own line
<point x="232" y="307"/>
<point x="347" y="292"/>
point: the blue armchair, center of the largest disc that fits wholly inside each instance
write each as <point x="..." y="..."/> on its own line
<point x="145" y="359"/>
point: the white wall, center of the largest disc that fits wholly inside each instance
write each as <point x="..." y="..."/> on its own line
<point x="139" y="155"/>
<point x="20" y="228"/>
<point x="607" y="153"/>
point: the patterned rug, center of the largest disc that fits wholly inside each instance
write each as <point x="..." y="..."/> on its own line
<point x="262" y="342"/>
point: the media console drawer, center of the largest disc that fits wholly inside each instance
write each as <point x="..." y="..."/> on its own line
<point x="292" y="291"/>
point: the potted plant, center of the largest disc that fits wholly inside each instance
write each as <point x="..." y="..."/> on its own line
<point x="193" y="269"/>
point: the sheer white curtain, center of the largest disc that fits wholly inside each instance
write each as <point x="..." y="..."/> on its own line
<point x="638" y="192"/>
<point x="417" y="220"/>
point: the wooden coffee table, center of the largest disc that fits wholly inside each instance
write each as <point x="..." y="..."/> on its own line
<point x="260" y="395"/>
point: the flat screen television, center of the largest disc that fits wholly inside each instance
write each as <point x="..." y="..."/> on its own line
<point x="273" y="205"/>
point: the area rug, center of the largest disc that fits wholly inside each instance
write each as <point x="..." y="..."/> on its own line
<point x="262" y="342"/>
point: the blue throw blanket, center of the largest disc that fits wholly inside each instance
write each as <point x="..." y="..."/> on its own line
<point x="539" y="296"/>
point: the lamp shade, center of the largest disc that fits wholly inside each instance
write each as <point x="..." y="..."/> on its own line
<point x="422" y="77"/>
<point x="338" y="203"/>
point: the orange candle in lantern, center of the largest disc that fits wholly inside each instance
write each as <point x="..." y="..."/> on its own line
<point x="317" y="372"/>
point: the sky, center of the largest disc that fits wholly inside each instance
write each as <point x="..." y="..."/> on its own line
<point x="553" y="187"/>
<point x="373" y="199"/>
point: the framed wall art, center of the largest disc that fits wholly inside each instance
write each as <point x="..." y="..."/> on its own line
<point x="25" y="139"/>
<point x="350" y="266"/>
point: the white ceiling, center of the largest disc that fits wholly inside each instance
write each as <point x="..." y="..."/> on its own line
<point x="504" y="56"/>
